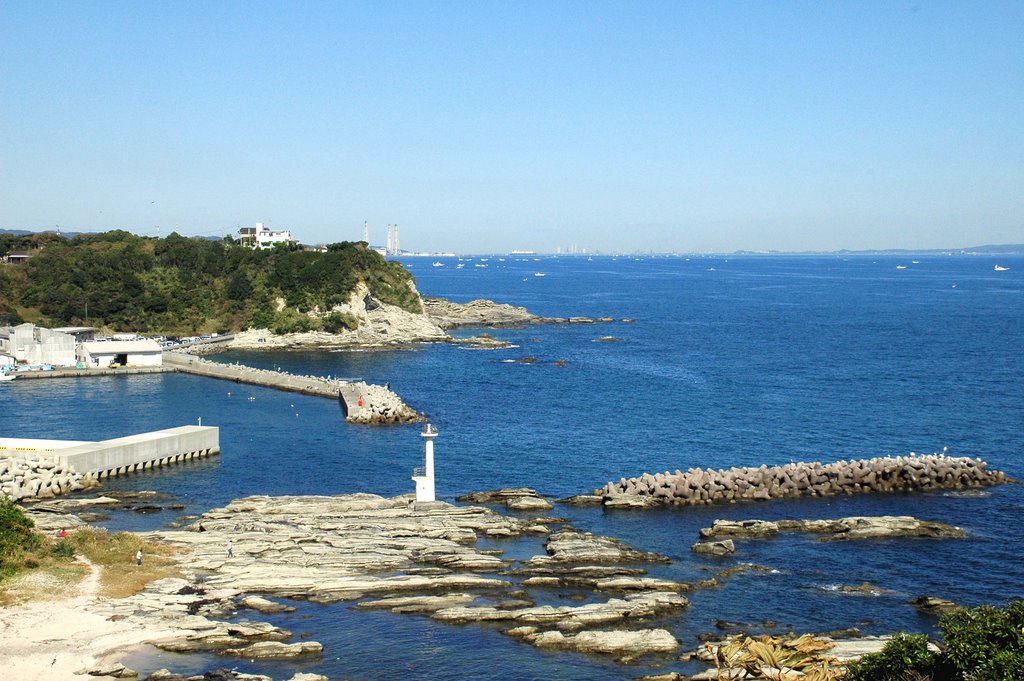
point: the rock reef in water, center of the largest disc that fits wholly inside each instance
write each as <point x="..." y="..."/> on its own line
<point x="392" y="554"/>
<point x="855" y="527"/>
<point x="890" y="474"/>
<point x="449" y="315"/>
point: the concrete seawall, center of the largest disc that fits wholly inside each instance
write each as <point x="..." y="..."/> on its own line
<point x="139" y="452"/>
<point x="85" y="373"/>
<point x="42" y="469"/>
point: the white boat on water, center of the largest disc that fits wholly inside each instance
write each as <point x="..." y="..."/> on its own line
<point x="901" y="267"/>
<point x="539" y="274"/>
<point x="1000" y="268"/>
<point x="7" y="377"/>
<point x="438" y="264"/>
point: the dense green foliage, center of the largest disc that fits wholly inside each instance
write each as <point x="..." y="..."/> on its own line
<point x="17" y="540"/>
<point x="189" y="285"/>
<point x="981" y="644"/>
<point x="987" y="642"/>
<point x="905" y="658"/>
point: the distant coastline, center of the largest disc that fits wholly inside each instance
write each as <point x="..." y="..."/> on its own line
<point x="987" y="249"/>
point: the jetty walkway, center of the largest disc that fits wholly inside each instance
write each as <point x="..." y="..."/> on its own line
<point x="362" y="402"/>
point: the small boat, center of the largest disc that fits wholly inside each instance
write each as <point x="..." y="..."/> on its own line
<point x="438" y="264"/>
<point x="901" y="267"/>
<point x="915" y="262"/>
<point x="460" y="266"/>
<point x="7" y="377"/>
<point x="1000" y="268"/>
<point x="539" y="274"/>
<point x="479" y="265"/>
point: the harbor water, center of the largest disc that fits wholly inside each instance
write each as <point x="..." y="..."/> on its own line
<point x="732" y="361"/>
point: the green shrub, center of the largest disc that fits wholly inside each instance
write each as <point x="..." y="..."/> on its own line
<point x="986" y="643"/>
<point x="905" y="658"/>
<point x="17" y="539"/>
<point x="62" y="549"/>
<point x="336" y="322"/>
<point x="290" y="321"/>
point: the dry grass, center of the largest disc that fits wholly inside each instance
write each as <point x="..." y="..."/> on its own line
<point x="52" y="580"/>
<point x="115" y="553"/>
<point x="52" y="576"/>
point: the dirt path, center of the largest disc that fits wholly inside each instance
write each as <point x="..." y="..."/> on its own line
<point x="50" y="640"/>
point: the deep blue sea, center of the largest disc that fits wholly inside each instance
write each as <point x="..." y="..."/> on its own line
<point x="731" y="361"/>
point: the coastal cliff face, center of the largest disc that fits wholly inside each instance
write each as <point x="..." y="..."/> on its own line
<point x="376" y="323"/>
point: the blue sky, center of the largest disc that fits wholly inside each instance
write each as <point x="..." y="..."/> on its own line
<point x="490" y="126"/>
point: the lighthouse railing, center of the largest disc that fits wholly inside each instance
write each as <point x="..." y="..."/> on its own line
<point x="419" y="472"/>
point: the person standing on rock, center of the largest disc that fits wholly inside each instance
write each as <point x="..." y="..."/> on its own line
<point x="231" y="549"/>
<point x="138" y="557"/>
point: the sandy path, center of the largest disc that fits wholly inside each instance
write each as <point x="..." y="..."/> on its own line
<point x="51" y="640"/>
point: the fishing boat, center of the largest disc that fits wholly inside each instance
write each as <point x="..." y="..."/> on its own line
<point x="7" y="377"/>
<point x="438" y="264"/>
<point x="539" y="274"/>
<point x="901" y="267"/>
<point x="1000" y="268"/>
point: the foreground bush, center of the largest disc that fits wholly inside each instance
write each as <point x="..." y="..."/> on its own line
<point x="986" y="643"/>
<point x="981" y="644"/>
<point x="18" y="542"/>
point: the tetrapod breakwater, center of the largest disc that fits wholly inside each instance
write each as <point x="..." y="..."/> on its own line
<point x="883" y="474"/>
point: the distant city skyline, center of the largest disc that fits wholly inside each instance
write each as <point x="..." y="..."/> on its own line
<point x="617" y="127"/>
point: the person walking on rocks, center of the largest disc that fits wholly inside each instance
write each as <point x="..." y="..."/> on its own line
<point x="231" y="549"/>
<point x="138" y="557"/>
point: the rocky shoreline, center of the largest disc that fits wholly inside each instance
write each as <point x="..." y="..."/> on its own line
<point x="889" y="474"/>
<point x="379" y="553"/>
<point x="382" y="326"/>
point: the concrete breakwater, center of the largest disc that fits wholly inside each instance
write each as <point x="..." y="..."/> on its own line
<point x="889" y="474"/>
<point x="362" y="402"/>
<point x="43" y="469"/>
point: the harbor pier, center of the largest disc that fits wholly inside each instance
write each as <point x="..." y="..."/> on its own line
<point x="42" y="469"/>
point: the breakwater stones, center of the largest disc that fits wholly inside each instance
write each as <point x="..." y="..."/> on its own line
<point x="884" y="474"/>
<point x="376" y="405"/>
<point x="39" y="477"/>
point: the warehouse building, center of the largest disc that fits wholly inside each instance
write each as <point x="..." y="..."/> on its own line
<point x="139" y="353"/>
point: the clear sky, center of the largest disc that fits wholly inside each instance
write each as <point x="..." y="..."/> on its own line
<point x="484" y="126"/>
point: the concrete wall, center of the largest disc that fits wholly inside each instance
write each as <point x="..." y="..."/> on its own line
<point x="12" y="446"/>
<point x="137" y="452"/>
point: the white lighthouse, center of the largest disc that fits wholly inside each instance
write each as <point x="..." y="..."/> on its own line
<point x="424" y="477"/>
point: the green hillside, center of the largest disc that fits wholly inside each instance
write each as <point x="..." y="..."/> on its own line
<point x="183" y="285"/>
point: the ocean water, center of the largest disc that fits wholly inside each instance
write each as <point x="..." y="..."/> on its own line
<point x="730" y="362"/>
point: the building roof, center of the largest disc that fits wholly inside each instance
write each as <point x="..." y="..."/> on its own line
<point x="121" y="347"/>
<point x="74" y="329"/>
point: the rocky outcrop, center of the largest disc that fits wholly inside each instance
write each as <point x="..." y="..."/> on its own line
<point x="378" y="324"/>
<point x="514" y="499"/>
<point x="573" y="618"/>
<point x="376" y="405"/>
<point x="450" y="315"/>
<point x="838" y="529"/>
<point x="625" y="645"/>
<point x="932" y="605"/>
<point x="714" y="548"/>
<point x="32" y="477"/>
<point x="583" y="547"/>
<point x="392" y="554"/>
<point x="891" y="474"/>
